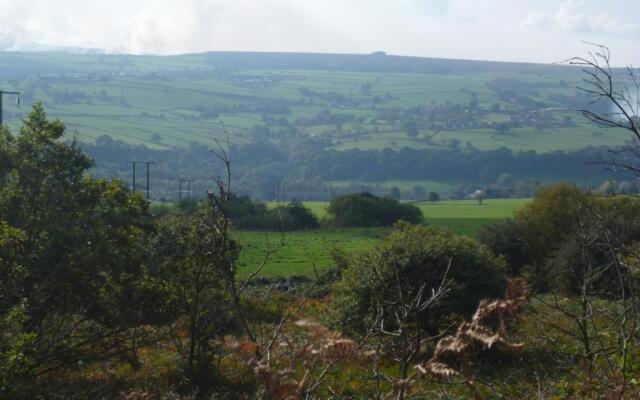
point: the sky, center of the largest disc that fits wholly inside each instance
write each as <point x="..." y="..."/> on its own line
<point x="503" y="30"/>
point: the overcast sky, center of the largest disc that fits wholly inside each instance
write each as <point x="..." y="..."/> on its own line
<point x="509" y="30"/>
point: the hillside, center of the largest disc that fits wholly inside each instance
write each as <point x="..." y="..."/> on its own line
<point x="319" y="124"/>
<point x="349" y="101"/>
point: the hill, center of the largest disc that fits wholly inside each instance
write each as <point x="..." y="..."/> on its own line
<point x="320" y="123"/>
<point x="351" y="101"/>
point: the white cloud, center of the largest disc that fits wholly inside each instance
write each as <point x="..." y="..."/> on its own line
<point x="536" y="20"/>
<point x="572" y="17"/>
<point x="479" y="29"/>
<point x="434" y="7"/>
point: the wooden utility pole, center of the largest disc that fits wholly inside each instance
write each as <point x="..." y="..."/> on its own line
<point x="133" y="174"/>
<point x="148" y="163"/>
<point x="2" y="93"/>
<point x="188" y="180"/>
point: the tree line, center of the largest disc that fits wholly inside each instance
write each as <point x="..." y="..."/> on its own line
<point x="309" y="170"/>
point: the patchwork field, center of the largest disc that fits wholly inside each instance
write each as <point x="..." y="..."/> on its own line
<point x="303" y="252"/>
<point x="348" y="101"/>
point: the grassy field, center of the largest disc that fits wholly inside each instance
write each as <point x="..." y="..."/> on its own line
<point x="302" y="252"/>
<point x="179" y="100"/>
<point x="467" y="216"/>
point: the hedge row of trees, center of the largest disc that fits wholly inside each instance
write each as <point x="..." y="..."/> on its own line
<point x="351" y="210"/>
<point x="304" y="168"/>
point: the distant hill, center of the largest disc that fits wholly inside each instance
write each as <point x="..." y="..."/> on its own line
<point x="321" y="103"/>
<point x="349" y="101"/>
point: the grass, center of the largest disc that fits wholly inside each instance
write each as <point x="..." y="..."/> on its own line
<point x="470" y="209"/>
<point x="302" y="252"/>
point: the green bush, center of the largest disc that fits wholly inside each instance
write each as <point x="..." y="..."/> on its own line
<point x="248" y="214"/>
<point x="366" y="210"/>
<point x="562" y="231"/>
<point x="421" y="256"/>
<point x="505" y="239"/>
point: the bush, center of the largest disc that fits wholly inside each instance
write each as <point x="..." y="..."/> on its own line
<point x="248" y="214"/>
<point x="421" y="256"/>
<point x="561" y="228"/>
<point x="300" y="217"/>
<point x="367" y="210"/>
<point x="505" y="239"/>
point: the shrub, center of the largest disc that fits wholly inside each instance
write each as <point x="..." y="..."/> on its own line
<point x="562" y="228"/>
<point x="367" y="210"/>
<point x="248" y="214"/>
<point x="421" y="257"/>
<point x="505" y="239"/>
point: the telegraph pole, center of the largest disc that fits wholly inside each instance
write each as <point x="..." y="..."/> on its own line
<point x="188" y="180"/>
<point x="147" y="163"/>
<point x="2" y="93"/>
<point x="133" y="175"/>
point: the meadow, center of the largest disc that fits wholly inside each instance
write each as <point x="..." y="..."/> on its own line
<point x="308" y="252"/>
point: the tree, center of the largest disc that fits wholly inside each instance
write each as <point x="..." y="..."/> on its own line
<point x="394" y="192"/>
<point x="411" y="128"/>
<point x="608" y="188"/>
<point x="622" y="103"/>
<point x="506" y="239"/>
<point x="503" y="128"/>
<point x="544" y="223"/>
<point x="419" y="193"/>
<point x="434" y="197"/>
<point x="367" y="210"/>
<point x="478" y="195"/>
<point x="506" y="180"/>
<point x="594" y="287"/>
<point x="92" y="230"/>
<point x="196" y="285"/>
<point x="297" y="216"/>
<point x="416" y="257"/>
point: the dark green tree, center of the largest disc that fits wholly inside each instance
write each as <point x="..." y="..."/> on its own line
<point x="85" y="259"/>
<point x="367" y="210"/>
<point x="419" y="258"/>
<point x="190" y="265"/>
<point x="297" y="216"/>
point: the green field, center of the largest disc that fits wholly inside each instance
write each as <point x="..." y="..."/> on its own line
<point x="466" y="216"/>
<point x="302" y="252"/>
<point x="164" y="102"/>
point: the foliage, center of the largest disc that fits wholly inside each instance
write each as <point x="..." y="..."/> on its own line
<point x="551" y="230"/>
<point x="299" y="360"/>
<point x="189" y="265"/>
<point x="504" y="238"/>
<point x="487" y="330"/>
<point x="367" y="210"/>
<point x="91" y="230"/>
<point x="17" y="356"/>
<point x="248" y="214"/>
<point x="420" y="257"/>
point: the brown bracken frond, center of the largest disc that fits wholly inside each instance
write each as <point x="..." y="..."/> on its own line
<point x="300" y="360"/>
<point x="451" y="357"/>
